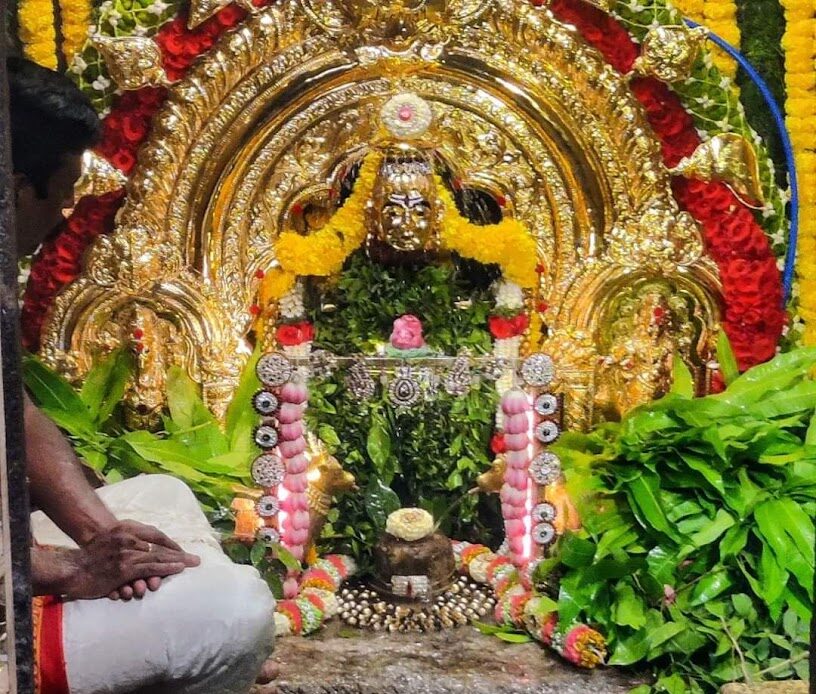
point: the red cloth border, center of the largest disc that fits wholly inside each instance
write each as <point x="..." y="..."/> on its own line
<point x="49" y="656"/>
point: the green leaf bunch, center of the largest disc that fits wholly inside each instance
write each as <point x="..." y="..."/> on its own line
<point x="697" y="554"/>
<point x="191" y="446"/>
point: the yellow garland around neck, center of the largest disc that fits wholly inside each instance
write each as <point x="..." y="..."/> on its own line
<point x="507" y="244"/>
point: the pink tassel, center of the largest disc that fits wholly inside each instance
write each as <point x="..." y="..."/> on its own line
<point x="296" y="465"/>
<point x="296" y="393"/>
<point x="291" y="448"/>
<point x="292" y="431"/>
<point x="290" y="413"/>
<point x="290" y="588"/>
<point x="517" y="442"/>
<point x="517" y="424"/>
<point x="515" y="402"/>
<point x="298" y="483"/>
<point x="517" y="460"/>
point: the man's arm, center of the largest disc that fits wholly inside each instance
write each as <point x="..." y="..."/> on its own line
<point x="57" y="483"/>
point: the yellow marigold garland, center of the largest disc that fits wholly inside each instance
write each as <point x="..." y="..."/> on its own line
<point x="507" y="244"/>
<point x="37" y="32"/>
<point x="76" y="20"/>
<point x="721" y="17"/>
<point x="799" y="45"/>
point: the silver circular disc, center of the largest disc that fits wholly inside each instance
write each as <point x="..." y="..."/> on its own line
<point x="266" y="436"/>
<point x="268" y="506"/>
<point x="274" y="370"/>
<point x="544" y="513"/>
<point x="547" y="432"/>
<point x="265" y="403"/>
<point x="538" y="370"/>
<point x="269" y="535"/>
<point x="543" y="533"/>
<point x="545" y="468"/>
<point x="546" y="405"/>
<point x="268" y="470"/>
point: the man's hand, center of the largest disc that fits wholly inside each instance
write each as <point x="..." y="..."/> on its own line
<point x="139" y="588"/>
<point x="121" y="557"/>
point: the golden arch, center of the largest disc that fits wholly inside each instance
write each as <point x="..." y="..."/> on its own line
<point x="523" y="108"/>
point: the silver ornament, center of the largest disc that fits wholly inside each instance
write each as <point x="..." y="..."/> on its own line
<point x="269" y="535"/>
<point x="546" y="405"/>
<point x="268" y="470"/>
<point x="274" y="370"/>
<point x="544" y="513"/>
<point x="265" y="403"/>
<point x="268" y="506"/>
<point x="547" y="432"/>
<point x="545" y="468"/>
<point x="458" y="380"/>
<point x="404" y="391"/>
<point x="359" y="382"/>
<point x="266" y="436"/>
<point x="543" y="534"/>
<point x="538" y="370"/>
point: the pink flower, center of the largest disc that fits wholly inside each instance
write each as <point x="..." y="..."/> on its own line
<point x="407" y="333"/>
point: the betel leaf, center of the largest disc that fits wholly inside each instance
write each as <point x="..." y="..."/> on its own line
<point x="378" y="446"/>
<point x="105" y="384"/>
<point x="575" y="551"/>
<point x="629" y="608"/>
<point x="53" y="393"/>
<point x="644" y="492"/>
<point x="632" y="649"/>
<point x="710" y="586"/>
<point x="184" y="401"/>
<point x="380" y="502"/>
<point x="683" y="384"/>
<point x="285" y="557"/>
<point x="713" y="530"/>
<point x="725" y="356"/>
<point x="513" y="638"/>
<point x="240" y="409"/>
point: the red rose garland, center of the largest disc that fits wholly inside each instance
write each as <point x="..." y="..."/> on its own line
<point x="754" y="319"/>
<point x="752" y="288"/>
<point x="124" y="130"/>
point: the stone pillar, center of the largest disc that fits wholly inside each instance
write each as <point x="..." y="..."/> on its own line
<point x="16" y="536"/>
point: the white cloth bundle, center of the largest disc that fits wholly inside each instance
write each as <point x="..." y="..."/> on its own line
<point x="205" y="631"/>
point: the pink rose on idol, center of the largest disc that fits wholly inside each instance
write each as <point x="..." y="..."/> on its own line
<point x="407" y="333"/>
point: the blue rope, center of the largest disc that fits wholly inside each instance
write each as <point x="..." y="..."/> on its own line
<point x="779" y="118"/>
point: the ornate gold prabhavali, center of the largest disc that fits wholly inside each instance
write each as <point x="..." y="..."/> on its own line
<point x="269" y="121"/>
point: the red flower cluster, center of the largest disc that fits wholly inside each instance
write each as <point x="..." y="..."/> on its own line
<point x="670" y="121"/>
<point x="600" y="30"/>
<point x="181" y="46"/>
<point x="295" y="334"/>
<point x="754" y="317"/>
<point x="60" y="260"/>
<point x="752" y="288"/>
<point x="127" y="126"/>
<point x="502" y="328"/>
<point x="497" y="444"/>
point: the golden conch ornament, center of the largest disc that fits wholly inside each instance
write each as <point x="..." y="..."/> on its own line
<point x="202" y="10"/>
<point x="99" y="177"/>
<point x="132" y="61"/>
<point x="669" y="52"/>
<point x="730" y="159"/>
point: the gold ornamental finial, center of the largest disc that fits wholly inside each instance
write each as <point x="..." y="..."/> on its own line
<point x="99" y="177"/>
<point x="669" y="52"/>
<point x="730" y="159"/>
<point x="202" y="10"/>
<point x="132" y="61"/>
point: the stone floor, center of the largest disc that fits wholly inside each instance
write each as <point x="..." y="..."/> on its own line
<point x="461" y="661"/>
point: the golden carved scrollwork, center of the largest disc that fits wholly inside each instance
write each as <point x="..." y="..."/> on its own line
<point x="279" y="111"/>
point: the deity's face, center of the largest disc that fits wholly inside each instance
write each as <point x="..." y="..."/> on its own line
<point x="406" y="207"/>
